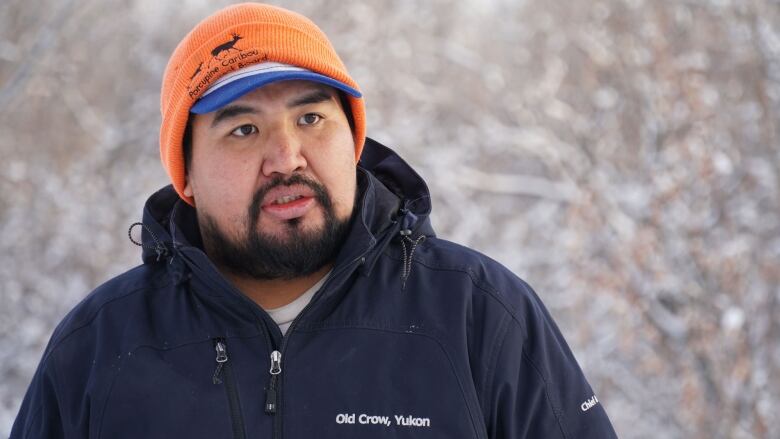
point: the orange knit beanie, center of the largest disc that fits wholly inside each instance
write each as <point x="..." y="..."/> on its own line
<point x="234" y="38"/>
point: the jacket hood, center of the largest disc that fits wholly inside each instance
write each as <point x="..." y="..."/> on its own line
<point x="393" y="195"/>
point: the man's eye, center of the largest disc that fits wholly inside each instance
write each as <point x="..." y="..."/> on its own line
<point x="309" y="119"/>
<point x="244" y="130"/>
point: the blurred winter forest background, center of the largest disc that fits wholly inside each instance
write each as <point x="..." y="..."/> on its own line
<point x="620" y="155"/>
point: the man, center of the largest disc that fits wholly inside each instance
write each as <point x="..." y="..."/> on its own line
<point x="292" y="285"/>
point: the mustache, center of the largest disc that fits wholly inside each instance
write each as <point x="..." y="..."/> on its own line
<point x="320" y="193"/>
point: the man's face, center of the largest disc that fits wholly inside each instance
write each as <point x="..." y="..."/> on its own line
<point x="273" y="176"/>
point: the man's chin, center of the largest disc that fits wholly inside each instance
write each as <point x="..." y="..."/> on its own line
<point x="290" y="229"/>
<point x="271" y="248"/>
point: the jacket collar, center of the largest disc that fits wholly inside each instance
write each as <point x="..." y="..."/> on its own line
<point x="393" y="197"/>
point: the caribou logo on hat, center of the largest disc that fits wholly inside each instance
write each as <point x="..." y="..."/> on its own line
<point x="226" y="47"/>
<point x="215" y="53"/>
<point x="226" y="62"/>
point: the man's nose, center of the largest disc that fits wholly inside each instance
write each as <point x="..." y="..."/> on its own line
<point x="283" y="154"/>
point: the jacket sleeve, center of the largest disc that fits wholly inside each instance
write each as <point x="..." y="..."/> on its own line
<point x="39" y="416"/>
<point x="538" y="390"/>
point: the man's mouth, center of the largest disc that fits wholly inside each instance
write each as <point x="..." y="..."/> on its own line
<point x="281" y="195"/>
<point x="284" y="203"/>
<point x="287" y="199"/>
<point x="284" y="200"/>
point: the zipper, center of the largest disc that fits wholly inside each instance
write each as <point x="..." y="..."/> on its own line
<point x="276" y="369"/>
<point x="273" y="394"/>
<point x="223" y="370"/>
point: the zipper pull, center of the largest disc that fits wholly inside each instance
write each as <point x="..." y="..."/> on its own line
<point x="221" y="360"/>
<point x="276" y="363"/>
<point x="270" y="395"/>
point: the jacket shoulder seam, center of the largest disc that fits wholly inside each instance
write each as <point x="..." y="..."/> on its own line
<point x="64" y="337"/>
<point x="556" y="412"/>
<point x="479" y="283"/>
<point x="495" y="353"/>
<point x="491" y="291"/>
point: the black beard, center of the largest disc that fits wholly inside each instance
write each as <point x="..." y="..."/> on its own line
<point x="268" y="257"/>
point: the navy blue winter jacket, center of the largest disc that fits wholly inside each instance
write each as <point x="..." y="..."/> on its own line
<point x="411" y="336"/>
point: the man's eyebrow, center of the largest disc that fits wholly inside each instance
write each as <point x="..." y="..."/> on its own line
<point x="314" y="97"/>
<point x="230" y="111"/>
